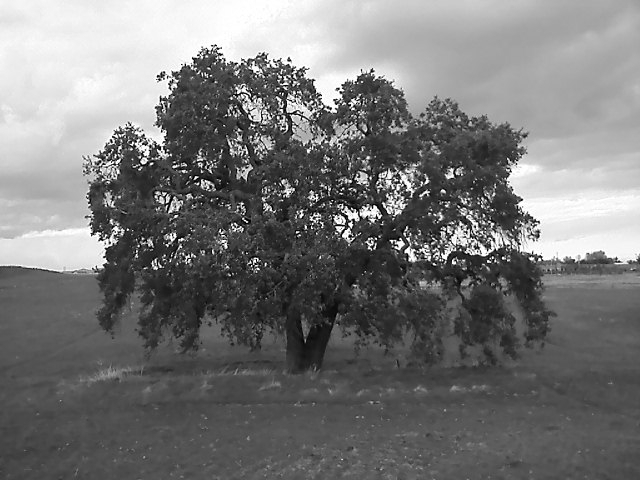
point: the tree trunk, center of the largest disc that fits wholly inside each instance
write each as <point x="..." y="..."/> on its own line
<point x="295" y="342"/>
<point x="308" y="354"/>
<point x="316" y="344"/>
<point x="318" y="338"/>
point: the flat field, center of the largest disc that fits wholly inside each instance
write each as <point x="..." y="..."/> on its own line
<point x="75" y="403"/>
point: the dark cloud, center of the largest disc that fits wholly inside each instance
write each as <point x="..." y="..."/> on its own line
<point x="616" y="174"/>
<point x="550" y="68"/>
<point x="568" y="72"/>
<point x="24" y="216"/>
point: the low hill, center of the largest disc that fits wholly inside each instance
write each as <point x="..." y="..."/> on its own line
<point x="48" y="326"/>
<point x="48" y="322"/>
<point x="7" y="271"/>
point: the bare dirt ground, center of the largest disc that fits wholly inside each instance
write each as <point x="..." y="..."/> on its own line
<point x="570" y="411"/>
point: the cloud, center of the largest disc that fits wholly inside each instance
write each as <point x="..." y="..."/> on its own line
<point x="69" y="232"/>
<point x="615" y="174"/>
<point x="72" y="73"/>
<point x="54" y="250"/>
<point x="568" y="72"/>
<point x="581" y="207"/>
<point x="18" y="217"/>
<point x="577" y="223"/>
<point x="556" y="70"/>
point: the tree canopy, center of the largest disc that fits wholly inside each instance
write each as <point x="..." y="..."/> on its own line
<point x="264" y="209"/>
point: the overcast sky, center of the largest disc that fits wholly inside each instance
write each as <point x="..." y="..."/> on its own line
<point x="566" y="71"/>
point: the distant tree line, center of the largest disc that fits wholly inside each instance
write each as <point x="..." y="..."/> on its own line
<point x="598" y="257"/>
<point x="597" y="262"/>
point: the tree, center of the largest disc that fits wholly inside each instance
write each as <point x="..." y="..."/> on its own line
<point x="598" y="257"/>
<point x="265" y="210"/>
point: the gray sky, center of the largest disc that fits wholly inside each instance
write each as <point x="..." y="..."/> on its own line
<point x="566" y="71"/>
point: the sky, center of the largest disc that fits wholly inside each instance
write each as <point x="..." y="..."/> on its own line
<point x="567" y="71"/>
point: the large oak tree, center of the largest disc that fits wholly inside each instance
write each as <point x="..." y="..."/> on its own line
<point x="266" y="210"/>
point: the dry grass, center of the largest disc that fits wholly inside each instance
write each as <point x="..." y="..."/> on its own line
<point x="272" y="385"/>
<point x="242" y="372"/>
<point x="622" y="280"/>
<point x="570" y="411"/>
<point x="111" y="373"/>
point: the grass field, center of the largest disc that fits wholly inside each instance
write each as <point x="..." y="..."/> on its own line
<point x="76" y="404"/>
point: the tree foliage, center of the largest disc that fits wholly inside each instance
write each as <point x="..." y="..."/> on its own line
<point x="266" y="210"/>
<point x="598" y="258"/>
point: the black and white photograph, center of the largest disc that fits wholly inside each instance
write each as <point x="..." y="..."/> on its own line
<point x="357" y="239"/>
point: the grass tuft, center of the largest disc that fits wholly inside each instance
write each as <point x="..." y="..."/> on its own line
<point x="242" y="372"/>
<point x="111" y="373"/>
<point x="272" y="385"/>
